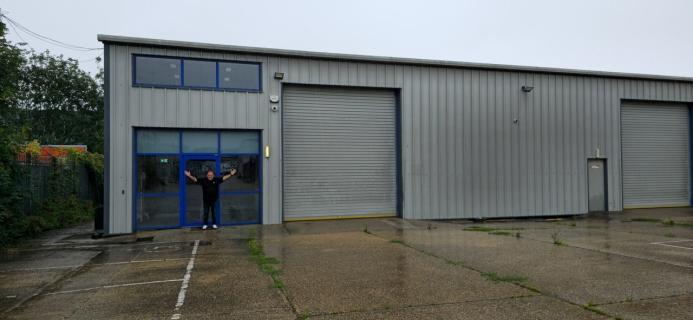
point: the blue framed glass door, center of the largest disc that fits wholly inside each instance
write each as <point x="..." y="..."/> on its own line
<point x="240" y="195"/>
<point x="198" y="165"/>
<point x="165" y="198"/>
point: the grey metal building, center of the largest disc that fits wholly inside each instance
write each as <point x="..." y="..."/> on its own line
<point x="319" y="135"/>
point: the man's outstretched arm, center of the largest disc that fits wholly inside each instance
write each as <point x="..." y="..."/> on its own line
<point x="231" y="173"/>
<point x="187" y="174"/>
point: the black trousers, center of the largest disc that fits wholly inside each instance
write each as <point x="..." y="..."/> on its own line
<point x="209" y="206"/>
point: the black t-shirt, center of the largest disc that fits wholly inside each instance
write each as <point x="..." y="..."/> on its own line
<point x="210" y="188"/>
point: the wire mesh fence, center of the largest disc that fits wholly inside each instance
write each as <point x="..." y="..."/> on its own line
<point x="48" y="177"/>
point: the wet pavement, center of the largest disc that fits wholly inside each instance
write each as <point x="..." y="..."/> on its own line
<point x="632" y="265"/>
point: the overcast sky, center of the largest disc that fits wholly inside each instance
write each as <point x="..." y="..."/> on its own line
<point x="637" y="36"/>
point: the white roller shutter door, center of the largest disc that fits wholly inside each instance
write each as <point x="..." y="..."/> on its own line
<point x="655" y="155"/>
<point x="339" y="153"/>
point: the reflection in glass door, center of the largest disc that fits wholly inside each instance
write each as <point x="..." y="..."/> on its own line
<point x="240" y="195"/>
<point x="193" y="206"/>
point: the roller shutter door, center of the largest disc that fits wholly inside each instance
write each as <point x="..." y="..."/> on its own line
<point x="339" y="153"/>
<point x="655" y="155"/>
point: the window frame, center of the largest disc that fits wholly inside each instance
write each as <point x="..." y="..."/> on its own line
<point x="182" y="85"/>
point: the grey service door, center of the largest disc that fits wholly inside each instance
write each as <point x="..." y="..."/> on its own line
<point x="654" y="140"/>
<point x="596" y="179"/>
<point x="339" y="153"/>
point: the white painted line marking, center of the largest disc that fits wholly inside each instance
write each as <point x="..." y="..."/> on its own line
<point x="113" y="286"/>
<point x="94" y="264"/>
<point x="138" y="261"/>
<point x="667" y="243"/>
<point x="186" y="282"/>
<point x="38" y="269"/>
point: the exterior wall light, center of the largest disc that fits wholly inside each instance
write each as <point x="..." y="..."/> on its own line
<point x="279" y="75"/>
<point x="527" y="89"/>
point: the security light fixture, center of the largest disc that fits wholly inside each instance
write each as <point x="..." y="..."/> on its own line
<point x="527" y="89"/>
<point x="279" y="75"/>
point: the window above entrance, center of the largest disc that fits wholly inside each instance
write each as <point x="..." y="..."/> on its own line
<point x="192" y="73"/>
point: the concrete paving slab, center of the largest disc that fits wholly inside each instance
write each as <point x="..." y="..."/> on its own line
<point x="232" y="287"/>
<point x="578" y="275"/>
<point x="340" y="272"/>
<point x="670" y="308"/>
<point x="38" y="259"/>
<point x="16" y="286"/>
<point x="538" y="307"/>
<point x="102" y="275"/>
<point x="638" y="245"/>
<point x="154" y="301"/>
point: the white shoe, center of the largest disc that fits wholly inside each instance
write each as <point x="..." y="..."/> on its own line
<point x="204" y="227"/>
<point x="214" y="226"/>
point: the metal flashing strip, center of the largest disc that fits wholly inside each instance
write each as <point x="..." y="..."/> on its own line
<point x="369" y="58"/>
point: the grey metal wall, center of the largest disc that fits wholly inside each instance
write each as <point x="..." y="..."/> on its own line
<point x="463" y="154"/>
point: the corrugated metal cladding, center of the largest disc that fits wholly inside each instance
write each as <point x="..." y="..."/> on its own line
<point x="655" y="143"/>
<point x="473" y="144"/>
<point x="339" y="152"/>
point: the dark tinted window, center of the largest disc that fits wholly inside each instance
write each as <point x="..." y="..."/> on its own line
<point x="200" y="73"/>
<point x="242" y="76"/>
<point x="157" y="174"/>
<point x="157" y="71"/>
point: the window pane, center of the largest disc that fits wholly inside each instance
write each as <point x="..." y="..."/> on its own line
<point x="157" y="71"/>
<point x="200" y="73"/>
<point x="246" y="178"/>
<point x="157" y="211"/>
<point x="240" y="208"/>
<point x="200" y="142"/>
<point x="157" y="174"/>
<point x="243" y="76"/>
<point x="240" y="142"/>
<point x="158" y="141"/>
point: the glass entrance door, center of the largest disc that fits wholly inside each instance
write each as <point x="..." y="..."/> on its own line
<point x="193" y="206"/>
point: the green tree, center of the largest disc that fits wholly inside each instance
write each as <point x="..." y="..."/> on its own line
<point x="11" y="62"/>
<point x="63" y="104"/>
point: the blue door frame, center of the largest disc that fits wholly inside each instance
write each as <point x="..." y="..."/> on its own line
<point x="183" y="188"/>
<point x="183" y="158"/>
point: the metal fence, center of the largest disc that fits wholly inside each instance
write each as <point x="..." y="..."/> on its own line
<point x="48" y="177"/>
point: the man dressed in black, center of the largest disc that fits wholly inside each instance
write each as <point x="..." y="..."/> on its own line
<point x="210" y="192"/>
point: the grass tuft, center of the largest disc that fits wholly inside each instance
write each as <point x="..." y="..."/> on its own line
<point x="643" y="220"/>
<point x="492" y="276"/>
<point x="593" y="308"/>
<point x="479" y="228"/>
<point x="668" y="222"/>
<point x="365" y="230"/>
<point x="501" y="233"/>
<point x="556" y="240"/>
<point x="267" y="264"/>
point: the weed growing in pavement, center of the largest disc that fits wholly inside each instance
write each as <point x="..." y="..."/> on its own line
<point x="479" y="228"/>
<point x="501" y="233"/>
<point x="267" y="264"/>
<point x="365" y="230"/>
<point x="556" y="240"/>
<point x="492" y="276"/>
<point x="669" y="235"/>
<point x="518" y="235"/>
<point x="668" y="222"/>
<point x="592" y="307"/>
<point x="303" y="316"/>
<point x="642" y="220"/>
